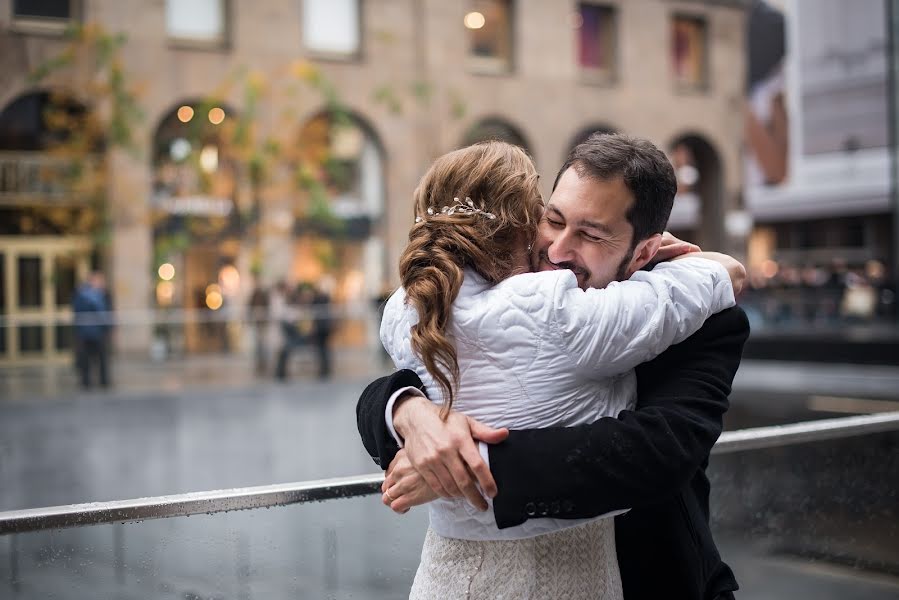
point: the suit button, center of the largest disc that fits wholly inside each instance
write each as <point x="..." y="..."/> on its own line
<point x="541" y="508"/>
<point x="567" y="506"/>
<point x="554" y="507"/>
<point x="530" y="508"/>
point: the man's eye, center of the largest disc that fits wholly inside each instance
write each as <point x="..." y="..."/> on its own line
<point x="591" y="238"/>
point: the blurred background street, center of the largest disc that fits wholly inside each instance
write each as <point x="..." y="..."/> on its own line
<point x="202" y="207"/>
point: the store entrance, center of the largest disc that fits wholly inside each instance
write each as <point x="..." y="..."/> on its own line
<point x="38" y="277"/>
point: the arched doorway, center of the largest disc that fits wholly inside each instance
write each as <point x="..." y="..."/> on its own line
<point x="52" y="203"/>
<point x="341" y="172"/>
<point x="495" y="128"/>
<point x="583" y="134"/>
<point x="197" y="208"/>
<point x="698" y="206"/>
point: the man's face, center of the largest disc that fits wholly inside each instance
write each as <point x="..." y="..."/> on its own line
<point x="585" y="229"/>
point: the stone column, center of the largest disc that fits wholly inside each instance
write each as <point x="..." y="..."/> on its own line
<point x="131" y="249"/>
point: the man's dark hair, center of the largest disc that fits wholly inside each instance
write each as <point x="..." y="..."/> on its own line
<point x="646" y="172"/>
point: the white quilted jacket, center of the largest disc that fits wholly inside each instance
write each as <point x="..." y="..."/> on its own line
<point x="537" y="351"/>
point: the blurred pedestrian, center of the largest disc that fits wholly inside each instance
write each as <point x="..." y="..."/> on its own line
<point x="91" y="306"/>
<point x="284" y="314"/>
<point x="258" y="318"/>
<point x="322" y="321"/>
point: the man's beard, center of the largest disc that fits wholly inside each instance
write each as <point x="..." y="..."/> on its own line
<point x="621" y="274"/>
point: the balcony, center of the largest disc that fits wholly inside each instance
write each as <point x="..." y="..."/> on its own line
<point x="37" y="178"/>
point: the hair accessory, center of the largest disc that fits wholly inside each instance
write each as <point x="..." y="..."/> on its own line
<point x="459" y="207"/>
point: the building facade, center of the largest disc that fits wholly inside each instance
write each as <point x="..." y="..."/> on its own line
<point x="186" y="223"/>
<point x="819" y="197"/>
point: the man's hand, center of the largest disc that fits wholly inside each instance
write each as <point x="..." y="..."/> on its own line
<point x="404" y="487"/>
<point x="445" y="453"/>
<point x="672" y="247"/>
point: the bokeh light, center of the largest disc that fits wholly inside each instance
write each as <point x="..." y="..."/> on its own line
<point x="166" y="271"/>
<point x="185" y="114"/>
<point x="474" y="20"/>
<point x="216" y="115"/>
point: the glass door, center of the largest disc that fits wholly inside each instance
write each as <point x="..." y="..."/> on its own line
<point x="38" y="277"/>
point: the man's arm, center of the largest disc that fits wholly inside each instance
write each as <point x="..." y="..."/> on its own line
<point x="450" y="464"/>
<point x="370" y="415"/>
<point x="622" y="462"/>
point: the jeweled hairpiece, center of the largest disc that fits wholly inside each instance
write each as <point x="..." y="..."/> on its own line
<point x="458" y="207"/>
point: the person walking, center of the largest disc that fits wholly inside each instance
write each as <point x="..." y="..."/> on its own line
<point x="92" y="324"/>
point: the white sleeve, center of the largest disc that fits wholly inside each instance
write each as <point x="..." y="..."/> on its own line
<point x="388" y="411"/>
<point x="609" y="331"/>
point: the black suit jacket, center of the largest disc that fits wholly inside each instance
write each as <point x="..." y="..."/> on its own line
<point x="651" y="459"/>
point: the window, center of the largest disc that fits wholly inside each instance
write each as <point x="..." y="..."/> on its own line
<point x="597" y="28"/>
<point x="689" y="51"/>
<point x="44" y="15"/>
<point x="200" y="22"/>
<point x="332" y="27"/>
<point x="489" y="23"/>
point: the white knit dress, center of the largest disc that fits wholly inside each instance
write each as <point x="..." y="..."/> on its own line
<point x="536" y="351"/>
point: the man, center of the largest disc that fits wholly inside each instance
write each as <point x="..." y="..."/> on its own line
<point x="92" y="323"/>
<point x="610" y="203"/>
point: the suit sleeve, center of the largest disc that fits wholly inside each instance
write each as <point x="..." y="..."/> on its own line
<point x="370" y="415"/>
<point x="632" y="459"/>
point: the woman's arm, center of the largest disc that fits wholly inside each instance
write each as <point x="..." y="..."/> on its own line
<point x="639" y="456"/>
<point x="609" y="331"/>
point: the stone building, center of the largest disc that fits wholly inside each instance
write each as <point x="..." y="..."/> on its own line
<point x="416" y="77"/>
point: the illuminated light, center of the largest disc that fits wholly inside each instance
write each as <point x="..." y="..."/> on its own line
<point x="216" y="115"/>
<point x="230" y="280"/>
<point x="213" y="288"/>
<point x="209" y="159"/>
<point x="214" y="300"/>
<point x="474" y="20"/>
<point x="165" y="291"/>
<point x="185" y="114"/>
<point x="769" y="268"/>
<point x="347" y="142"/>
<point x="166" y="271"/>
<point x="180" y="149"/>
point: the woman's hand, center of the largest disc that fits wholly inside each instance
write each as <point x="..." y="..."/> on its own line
<point x="404" y="487"/>
<point x="735" y="268"/>
<point x="672" y="247"/>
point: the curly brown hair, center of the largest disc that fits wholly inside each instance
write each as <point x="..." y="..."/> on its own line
<point x="500" y="179"/>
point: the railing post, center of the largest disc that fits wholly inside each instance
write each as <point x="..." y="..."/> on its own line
<point x="331" y="562"/>
<point x="118" y="544"/>
<point x="14" y="564"/>
<point x="242" y="563"/>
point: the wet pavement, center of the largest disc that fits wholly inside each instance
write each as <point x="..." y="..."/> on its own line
<point x="211" y="424"/>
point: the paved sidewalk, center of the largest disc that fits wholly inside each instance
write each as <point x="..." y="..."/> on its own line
<point x="756" y="378"/>
<point x="135" y="374"/>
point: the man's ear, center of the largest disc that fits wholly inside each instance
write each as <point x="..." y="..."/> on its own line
<point x="644" y="252"/>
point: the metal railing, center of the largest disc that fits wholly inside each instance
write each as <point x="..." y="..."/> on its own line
<point x="217" y="501"/>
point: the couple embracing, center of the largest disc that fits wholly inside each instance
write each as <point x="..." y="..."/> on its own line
<point x="563" y="370"/>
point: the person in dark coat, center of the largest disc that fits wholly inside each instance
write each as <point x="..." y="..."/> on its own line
<point x="322" y="327"/>
<point x="651" y="459"/>
<point x="92" y="325"/>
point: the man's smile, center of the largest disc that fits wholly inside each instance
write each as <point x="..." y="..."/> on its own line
<point x="545" y="264"/>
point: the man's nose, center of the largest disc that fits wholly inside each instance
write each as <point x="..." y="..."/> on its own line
<point x="561" y="249"/>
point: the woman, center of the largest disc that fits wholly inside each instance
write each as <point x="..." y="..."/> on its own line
<point x="523" y="350"/>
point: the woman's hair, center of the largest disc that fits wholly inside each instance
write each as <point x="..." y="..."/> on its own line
<point x="489" y="235"/>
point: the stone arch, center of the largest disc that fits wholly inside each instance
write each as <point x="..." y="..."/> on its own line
<point x="496" y="128"/>
<point x="699" y="206"/>
<point x="585" y="132"/>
